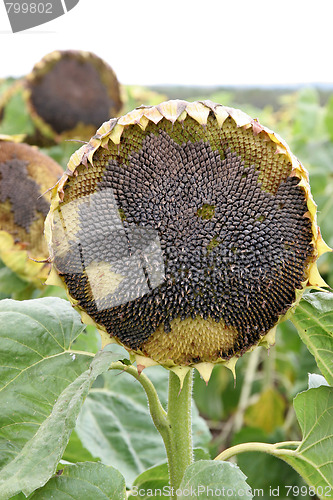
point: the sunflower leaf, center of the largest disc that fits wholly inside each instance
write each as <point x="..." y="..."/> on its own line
<point x="313" y="459"/>
<point x="313" y="319"/>
<point x="212" y="478"/>
<point x="44" y="383"/>
<point x="84" y="480"/>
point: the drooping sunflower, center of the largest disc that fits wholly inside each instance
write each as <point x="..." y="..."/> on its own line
<point x="67" y="95"/>
<point x="25" y="176"/>
<point x="185" y="232"/>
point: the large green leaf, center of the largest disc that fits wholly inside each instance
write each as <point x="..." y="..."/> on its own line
<point x="313" y="319"/>
<point x="84" y="481"/>
<point x="210" y="479"/>
<point x="38" y="459"/>
<point x="43" y="386"/>
<point x="313" y="459"/>
<point x="36" y="365"/>
<point x="115" y="424"/>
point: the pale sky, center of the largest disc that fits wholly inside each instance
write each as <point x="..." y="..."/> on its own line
<point x="206" y="42"/>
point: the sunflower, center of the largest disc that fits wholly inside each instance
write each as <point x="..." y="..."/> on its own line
<point x="185" y="232"/>
<point x="67" y="95"/>
<point x="25" y="176"/>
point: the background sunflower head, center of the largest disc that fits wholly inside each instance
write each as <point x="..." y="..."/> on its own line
<point x="25" y="176"/>
<point x="70" y="93"/>
<point x="67" y="95"/>
<point x="185" y="231"/>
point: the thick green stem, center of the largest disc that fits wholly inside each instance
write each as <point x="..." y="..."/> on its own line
<point x="180" y="452"/>
<point x="175" y="426"/>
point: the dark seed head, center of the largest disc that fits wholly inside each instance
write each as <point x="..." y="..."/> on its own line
<point x="186" y="243"/>
<point x="72" y="93"/>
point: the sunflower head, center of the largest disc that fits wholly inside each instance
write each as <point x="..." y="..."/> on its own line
<point x="185" y="231"/>
<point x="25" y="175"/>
<point x="69" y="93"/>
